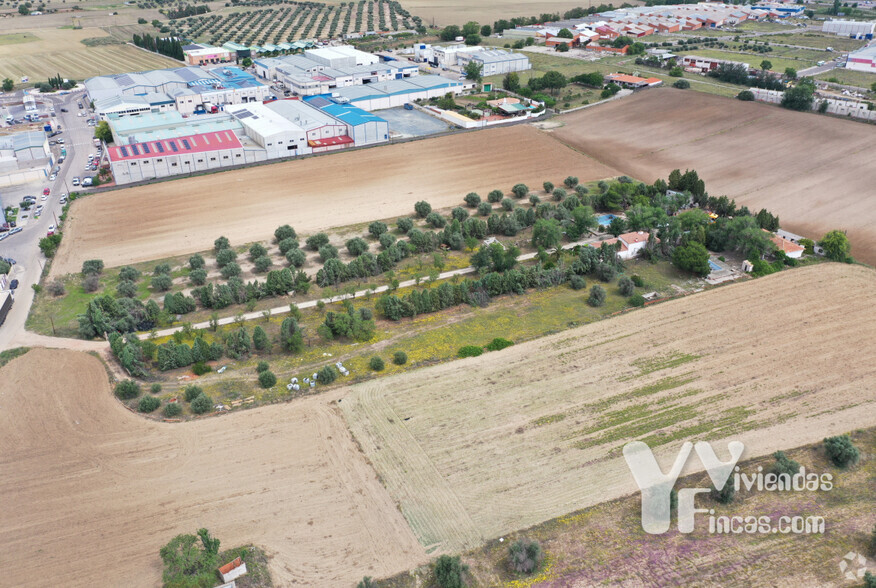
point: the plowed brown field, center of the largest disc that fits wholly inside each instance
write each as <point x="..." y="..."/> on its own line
<point x="91" y="492"/>
<point x="480" y="447"/>
<point x="186" y="215"/>
<point x="815" y="172"/>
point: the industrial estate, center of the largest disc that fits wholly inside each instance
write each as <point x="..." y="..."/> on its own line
<point x="358" y="294"/>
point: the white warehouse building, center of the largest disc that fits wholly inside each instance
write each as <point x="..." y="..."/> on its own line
<point x="863" y="60"/>
<point x="849" y="28"/>
<point x="496" y="61"/>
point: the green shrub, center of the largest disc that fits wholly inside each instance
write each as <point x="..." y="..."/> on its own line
<point x="202" y="404"/>
<point x="636" y="300"/>
<point x="192" y="392"/>
<point x="597" y="296"/>
<point x="784" y="465"/>
<point x="726" y="494"/>
<point x="200" y="368"/>
<point x="155" y="388"/>
<point x="681" y="84"/>
<point x="148" y="404"/>
<point x="376" y="364"/>
<point x="267" y="379"/>
<point x="625" y="286"/>
<point x="326" y="375"/>
<point x="404" y="225"/>
<point x="577" y="282"/>
<point x="840" y="450"/>
<point x="498" y="344"/>
<point x="172" y="409"/>
<point x="470" y="351"/>
<point x="525" y="556"/>
<point x="262" y="367"/>
<point x="127" y="389"/>
<point x="296" y="257"/>
<point x="399" y="358"/>
<point x="450" y="572"/>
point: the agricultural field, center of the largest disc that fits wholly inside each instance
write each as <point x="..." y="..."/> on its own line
<point x="797" y="158"/>
<point x="184" y="216"/>
<point x="849" y="77"/>
<point x="441" y="13"/>
<point x="818" y="41"/>
<point x="41" y="53"/>
<point x="287" y="478"/>
<point x="290" y="21"/>
<point x="485" y="446"/>
<point x="780" y="57"/>
<point x="604" y="544"/>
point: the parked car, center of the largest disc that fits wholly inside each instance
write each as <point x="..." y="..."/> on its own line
<point x="13" y="284"/>
<point x="51" y="231"/>
<point x="76" y="181"/>
<point x="46" y="191"/>
<point x="61" y="141"/>
<point x="39" y="208"/>
<point x="63" y="110"/>
<point x="15" y="230"/>
<point x="53" y="177"/>
<point x="44" y="197"/>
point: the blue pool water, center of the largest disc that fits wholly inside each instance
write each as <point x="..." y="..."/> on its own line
<point x="605" y="219"/>
<point x="715" y="267"/>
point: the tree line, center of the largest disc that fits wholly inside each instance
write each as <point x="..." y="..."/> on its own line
<point x="169" y="46"/>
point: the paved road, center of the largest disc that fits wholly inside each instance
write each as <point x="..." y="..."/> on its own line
<point x="24" y="246"/>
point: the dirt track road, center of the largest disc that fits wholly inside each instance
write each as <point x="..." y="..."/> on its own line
<point x="186" y="215"/>
<point x="815" y="172"/>
<point x="90" y="492"/>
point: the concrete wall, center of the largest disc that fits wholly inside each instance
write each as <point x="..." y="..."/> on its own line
<point x="25" y="176"/>
<point x="125" y="172"/>
<point x="858" y="110"/>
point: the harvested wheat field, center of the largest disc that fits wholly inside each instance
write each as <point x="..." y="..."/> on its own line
<point x="815" y="172"/>
<point x="91" y="492"/>
<point x="484" y="446"/>
<point x="444" y="13"/>
<point x="186" y="215"/>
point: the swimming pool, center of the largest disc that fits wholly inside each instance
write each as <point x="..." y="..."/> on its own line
<point x="715" y="267"/>
<point x="605" y="219"/>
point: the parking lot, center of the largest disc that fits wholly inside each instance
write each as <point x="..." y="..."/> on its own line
<point x="411" y="123"/>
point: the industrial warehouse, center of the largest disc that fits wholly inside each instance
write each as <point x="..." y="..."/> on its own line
<point x="165" y="144"/>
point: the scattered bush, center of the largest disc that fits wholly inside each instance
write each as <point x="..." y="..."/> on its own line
<point x="534" y="199"/>
<point x="198" y="277"/>
<point x="840" y="450"/>
<point x="436" y="220"/>
<point x="267" y="379"/>
<point x="129" y="273"/>
<point x="784" y="464"/>
<point x="636" y="300"/>
<point x="726" y="494"/>
<point x="92" y="267"/>
<point x="459" y="214"/>
<point x="422" y="208"/>
<point x="525" y="556"/>
<point x="377" y="228"/>
<point x="472" y="199"/>
<point x="498" y="344"/>
<point x="161" y="269"/>
<point x="745" y="95"/>
<point x="681" y="84"/>
<point x="404" y="225"/>
<point x="127" y="389"/>
<point x="286" y="245"/>
<point x="225" y="257"/>
<point x="162" y="282"/>
<point x="314" y="242"/>
<point x="387" y="240"/>
<point x="202" y="404"/>
<point x="625" y="286"/>
<point x="192" y="392"/>
<point x="470" y="351"/>
<point x="196" y="261"/>
<point x="577" y="282"/>
<point x="56" y="288"/>
<point x="548" y="187"/>
<point x="495" y="196"/>
<point x="284" y="232"/>
<point x="230" y="270"/>
<point x="200" y="368"/>
<point x="126" y="289"/>
<point x="376" y="364"/>
<point x="296" y="257"/>
<point x="637" y="280"/>
<point x="263" y="263"/>
<point x="172" y="409"/>
<point x="450" y="572"/>
<point x="91" y="283"/>
<point x="148" y="404"/>
<point x="257" y="250"/>
<point x="507" y="204"/>
<point x="484" y="209"/>
<point x="399" y="358"/>
<point x="357" y="246"/>
<point x="597" y="296"/>
<point x="327" y="252"/>
<point x="262" y="366"/>
<point x="155" y="388"/>
<point x="326" y="375"/>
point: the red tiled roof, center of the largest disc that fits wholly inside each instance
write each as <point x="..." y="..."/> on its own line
<point x="330" y="141"/>
<point x="625" y="78"/>
<point x="230" y="566"/>
<point x="200" y="143"/>
<point x="783" y="244"/>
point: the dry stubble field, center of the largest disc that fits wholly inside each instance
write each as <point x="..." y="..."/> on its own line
<point x="186" y="215"/>
<point x="481" y="447"/>
<point x="91" y="492"/>
<point x="815" y="172"/>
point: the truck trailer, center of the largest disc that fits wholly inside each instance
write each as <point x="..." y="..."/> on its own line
<point x="6" y="301"/>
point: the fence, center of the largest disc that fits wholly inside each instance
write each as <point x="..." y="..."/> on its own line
<point x="837" y="107"/>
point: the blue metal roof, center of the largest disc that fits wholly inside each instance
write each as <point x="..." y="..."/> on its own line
<point x="350" y="114"/>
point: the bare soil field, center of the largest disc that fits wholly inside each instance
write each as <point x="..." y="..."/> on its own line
<point x="53" y="51"/>
<point x="91" y="492"/>
<point x="186" y="215"/>
<point x="481" y="447"/>
<point x="815" y="172"/>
